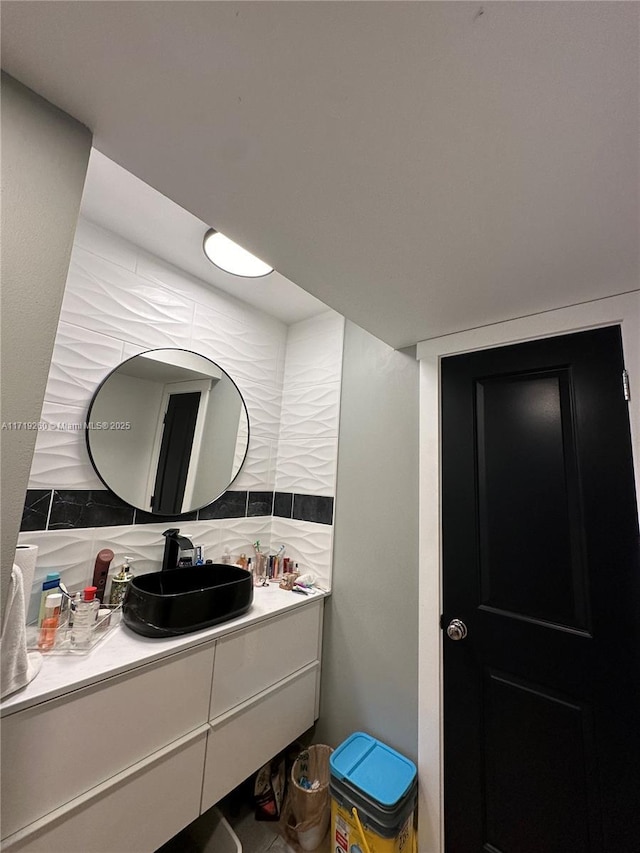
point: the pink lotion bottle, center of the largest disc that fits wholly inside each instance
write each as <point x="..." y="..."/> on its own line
<point x="53" y="605"/>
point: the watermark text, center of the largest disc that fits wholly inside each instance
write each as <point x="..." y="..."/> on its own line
<point x="52" y="426"/>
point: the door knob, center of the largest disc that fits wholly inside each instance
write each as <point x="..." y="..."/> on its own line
<point x="456" y="630"/>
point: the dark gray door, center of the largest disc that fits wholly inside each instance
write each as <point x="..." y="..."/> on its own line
<point x="175" y="453"/>
<point x="540" y="539"/>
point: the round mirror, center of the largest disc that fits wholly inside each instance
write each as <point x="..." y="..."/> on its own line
<point x="168" y="431"/>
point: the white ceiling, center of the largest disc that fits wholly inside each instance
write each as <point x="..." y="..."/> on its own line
<point x="422" y="167"/>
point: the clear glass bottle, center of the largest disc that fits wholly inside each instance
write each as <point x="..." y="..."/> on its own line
<point x="84" y="618"/>
<point x="260" y="569"/>
<point x="74" y="599"/>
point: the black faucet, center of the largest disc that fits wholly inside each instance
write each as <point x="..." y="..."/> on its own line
<point x="175" y="548"/>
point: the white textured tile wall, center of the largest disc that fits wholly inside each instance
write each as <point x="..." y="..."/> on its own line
<point x="246" y="351"/>
<point x="308" y="544"/>
<point x="144" y="543"/>
<point x="264" y="404"/>
<point x="177" y="280"/>
<point x="69" y="552"/>
<point x="81" y="360"/>
<point x="103" y="243"/>
<point x="308" y="444"/>
<point x="108" y="299"/>
<point x="258" y="472"/>
<point x="73" y="552"/>
<point x="309" y="422"/>
<point x="239" y="534"/>
<point x="310" y="412"/>
<point x="314" y="351"/>
<point x="65" y="551"/>
<point x="61" y="459"/>
<point x="119" y="301"/>
<point x="307" y="466"/>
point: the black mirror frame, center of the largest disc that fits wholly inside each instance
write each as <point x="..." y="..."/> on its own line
<point x="88" y="431"/>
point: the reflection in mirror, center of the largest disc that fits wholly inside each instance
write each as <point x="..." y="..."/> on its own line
<point x="168" y="431"/>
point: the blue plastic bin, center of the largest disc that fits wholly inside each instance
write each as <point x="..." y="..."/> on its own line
<point x="381" y="785"/>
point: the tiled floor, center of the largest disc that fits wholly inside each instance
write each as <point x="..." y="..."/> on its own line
<point x="256" y="836"/>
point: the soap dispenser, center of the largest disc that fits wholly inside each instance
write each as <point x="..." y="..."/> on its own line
<point x="120" y="583"/>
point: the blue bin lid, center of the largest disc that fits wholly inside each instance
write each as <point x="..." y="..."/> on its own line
<point x="373" y="767"/>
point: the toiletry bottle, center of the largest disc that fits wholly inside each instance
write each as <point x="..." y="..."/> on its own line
<point x="226" y="557"/>
<point x="101" y="570"/>
<point x="120" y="583"/>
<point x="84" y="619"/>
<point x="49" y="626"/>
<point x="260" y="565"/>
<point x="50" y="584"/>
<point x="65" y="609"/>
<point x="73" y="606"/>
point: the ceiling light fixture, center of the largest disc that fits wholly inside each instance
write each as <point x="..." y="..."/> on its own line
<point x="230" y="257"/>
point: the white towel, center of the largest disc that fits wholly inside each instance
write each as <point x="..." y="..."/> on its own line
<point x="19" y="667"/>
<point x="26" y="558"/>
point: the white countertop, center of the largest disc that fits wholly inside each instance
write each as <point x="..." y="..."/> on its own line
<point x="123" y="650"/>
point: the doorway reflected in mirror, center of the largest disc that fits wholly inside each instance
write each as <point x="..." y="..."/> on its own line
<point x="168" y="431"/>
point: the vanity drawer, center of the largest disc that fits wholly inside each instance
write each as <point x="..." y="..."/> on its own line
<point x="241" y="741"/>
<point x="56" y="751"/>
<point x="248" y="661"/>
<point x="137" y="811"/>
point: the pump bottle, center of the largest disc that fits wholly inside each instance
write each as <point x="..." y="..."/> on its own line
<point x="120" y="584"/>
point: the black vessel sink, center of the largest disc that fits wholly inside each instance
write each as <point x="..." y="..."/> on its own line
<point x="179" y="601"/>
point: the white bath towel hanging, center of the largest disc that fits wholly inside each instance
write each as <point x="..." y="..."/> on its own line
<point x="19" y="667"/>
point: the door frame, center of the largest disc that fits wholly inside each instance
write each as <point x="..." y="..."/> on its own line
<point x="623" y="310"/>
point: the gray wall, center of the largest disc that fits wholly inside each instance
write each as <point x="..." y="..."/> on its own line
<point x="217" y="453"/>
<point x="44" y="162"/>
<point x="125" y="455"/>
<point x="370" y="655"/>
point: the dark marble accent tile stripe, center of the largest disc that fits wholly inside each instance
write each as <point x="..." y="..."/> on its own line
<point x="73" y="508"/>
<point x="228" y="505"/>
<point x="36" y="509"/>
<point x="283" y="504"/>
<point x="316" y="508"/>
<point x="260" y="503"/>
<point x="142" y="517"/>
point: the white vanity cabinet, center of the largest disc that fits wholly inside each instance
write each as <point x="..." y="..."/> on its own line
<point x="265" y="693"/>
<point x="133" y="812"/>
<point x="121" y="765"/>
<point x="58" y="750"/>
